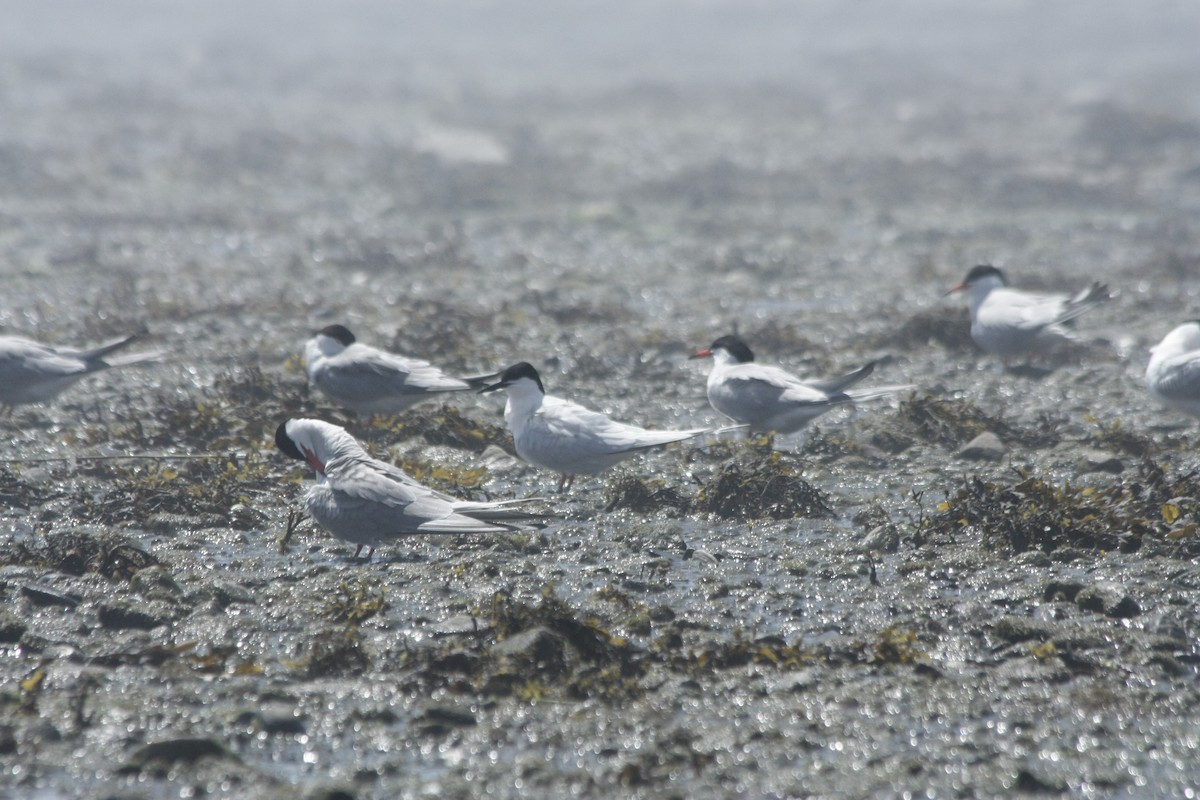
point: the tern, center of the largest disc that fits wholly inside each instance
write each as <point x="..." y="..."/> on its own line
<point x="32" y="372"/>
<point x="368" y="380"/>
<point x="563" y="436"/>
<point x="771" y="400"/>
<point x="1009" y="322"/>
<point x="367" y="502"/>
<point x="1173" y="374"/>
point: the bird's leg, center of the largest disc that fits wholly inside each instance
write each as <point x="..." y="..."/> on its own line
<point x="370" y="553"/>
<point x="357" y="550"/>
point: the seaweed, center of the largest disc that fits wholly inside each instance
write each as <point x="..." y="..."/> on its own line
<point x="643" y="496"/>
<point x="767" y="487"/>
<point x="951" y="422"/>
<point x="335" y="651"/>
<point x="445" y="426"/>
<point x="189" y="487"/>
<point x="1115" y="437"/>
<point x="355" y="602"/>
<point x="76" y="553"/>
<point x="1035" y="513"/>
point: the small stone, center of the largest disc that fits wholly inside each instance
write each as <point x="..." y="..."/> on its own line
<point x="330" y="793"/>
<point x="280" y="718"/>
<point x="1066" y="590"/>
<point x="460" y="625"/>
<point x="171" y="751"/>
<point x="125" y="615"/>
<point x="494" y="457"/>
<point x="246" y="517"/>
<point x="1099" y="461"/>
<point x="984" y="447"/>
<point x="1109" y="598"/>
<point x="11" y="627"/>
<point x="441" y="720"/>
<point x="538" y="650"/>
<point x="226" y="593"/>
<point x="882" y="538"/>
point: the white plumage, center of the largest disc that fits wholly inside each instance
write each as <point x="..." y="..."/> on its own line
<point x="1009" y="322"/>
<point x="367" y="380"/>
<point x="563" y="436"/>
<point x="768" y="399"/>
<point x="366" y="502"/>
<point x="1173" y="374"/>
<point x="32" y="372"/>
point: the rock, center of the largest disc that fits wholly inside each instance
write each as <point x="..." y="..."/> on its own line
<point x="155" y="584"/>
<point x="8" y="739"/>
<point x="1109" y="598"/>
<point x="274" y="717"/>
<point x="11" y="626"/>
<point x="167" y="752"/>
<point x="334" y="792"/>
<point x="1020" y="629"/>
<point x="49" y="596"/>
<point x="984" y="447"/>
<point x="460" y="625"/>
<point x="124" y="615"/>
<point x="246" y="517"/>
<point x="1099" y="461"/>
<point x="440" y="720"/>
<point x="1062" y="590"/>
<point x="883" y="538"/>
<point x="537" y="650"/>
<point x="226" y="593"/>
<point x="496" y="458"/>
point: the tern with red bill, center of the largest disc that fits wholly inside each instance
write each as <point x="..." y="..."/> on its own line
<point x="770" y="400"/>
<point x="1009" y="322"/>
<point x="367" y="502"/>
<point x="563" y="436"/>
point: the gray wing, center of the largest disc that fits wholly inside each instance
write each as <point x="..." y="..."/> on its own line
<point x="367" y="374"/>
<point x="25" y="361"/>
<point x="593" y="434"/>
<point x="1179" y="378"/>
<point x="377" y="501"/>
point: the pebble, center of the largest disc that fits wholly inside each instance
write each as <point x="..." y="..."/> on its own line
<point x="987" y="446"/>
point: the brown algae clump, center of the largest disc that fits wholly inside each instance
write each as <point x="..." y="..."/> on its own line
<point x="763" y="487"/>
<point x="76" y="553"/>
<point x="446" y="426"/>
<point x="643" y="496"/>
<point x="1038" y="514"/>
